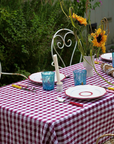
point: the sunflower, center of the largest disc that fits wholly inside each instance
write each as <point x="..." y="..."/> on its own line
<point x="103" y="49"/>
<point x="99" y="38"/>
<point x="80" y="19"/>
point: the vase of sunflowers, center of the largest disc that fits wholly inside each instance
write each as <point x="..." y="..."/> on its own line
<point x="98" y="40"/>
<point x="90" y="44"/>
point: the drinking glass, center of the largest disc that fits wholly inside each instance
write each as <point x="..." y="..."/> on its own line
<point x="79" y="76"/>
<point x="48" y="79"/>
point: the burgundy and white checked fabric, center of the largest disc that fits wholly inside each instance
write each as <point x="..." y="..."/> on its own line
<point x="38" y="118"/>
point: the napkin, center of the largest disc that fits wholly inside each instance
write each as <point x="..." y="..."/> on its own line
<point x="108" y="69"/>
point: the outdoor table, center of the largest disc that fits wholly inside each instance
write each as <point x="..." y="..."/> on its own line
<point x="38" y="118"/>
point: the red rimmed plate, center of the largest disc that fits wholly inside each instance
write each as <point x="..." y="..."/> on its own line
<point x="36" y="77"/>
<point x="85" y="92"/>
<point x="107" y="56"/>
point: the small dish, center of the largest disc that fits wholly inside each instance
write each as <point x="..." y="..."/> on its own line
<point x="85" y="92"/>
<point x="36" y="77"/>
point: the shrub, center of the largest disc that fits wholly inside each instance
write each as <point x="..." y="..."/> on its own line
<point x="26" y="30"/>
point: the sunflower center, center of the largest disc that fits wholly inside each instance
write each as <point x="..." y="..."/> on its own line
<point x="99" y="38"/>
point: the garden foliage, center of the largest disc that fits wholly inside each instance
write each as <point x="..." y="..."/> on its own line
<point x="26" y="30"/>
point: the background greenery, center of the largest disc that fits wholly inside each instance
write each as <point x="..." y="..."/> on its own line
<point x="26" y="30"/>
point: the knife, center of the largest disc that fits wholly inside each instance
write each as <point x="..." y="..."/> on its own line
<point x="19" y="87"/>
<point x="110" y="88"/>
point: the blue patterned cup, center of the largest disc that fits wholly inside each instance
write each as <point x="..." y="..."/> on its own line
<point x="48" y="80"/>
<point x="79" y="77"/>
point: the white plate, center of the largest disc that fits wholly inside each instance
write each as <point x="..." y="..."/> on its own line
<point x="36" y="77"/>
<point x="107" y="56"/>
<point x="85" y="92"/>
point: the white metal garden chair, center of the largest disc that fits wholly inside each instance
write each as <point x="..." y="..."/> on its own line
<point x="63" y="40"/>
<point x="111" y="141"/>
<point x="5" y="73"/>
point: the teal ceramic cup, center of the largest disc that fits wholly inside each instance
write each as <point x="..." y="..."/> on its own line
<point x="48" y="80"/>
<point x="79" y="76"/>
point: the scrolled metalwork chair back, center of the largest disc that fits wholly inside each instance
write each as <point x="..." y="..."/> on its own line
<point x="64" y="39"/>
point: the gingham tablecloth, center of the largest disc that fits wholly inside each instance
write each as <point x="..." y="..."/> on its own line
<point x="38" y="118"/>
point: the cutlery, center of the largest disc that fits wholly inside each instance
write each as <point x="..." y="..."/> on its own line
<point x="98" y="62"/>
<point x="26" y="86"/>
<point x="19" y="87"/>
<point x="110" y="91"/>
<point x="68" y="76"/>
<point x="73" y="103"/>
<point x="110" y="88"/>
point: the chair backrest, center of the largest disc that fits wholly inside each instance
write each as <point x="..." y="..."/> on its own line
<point x="63" y="40"/>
